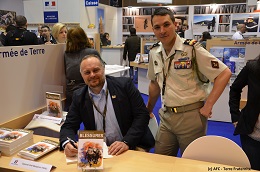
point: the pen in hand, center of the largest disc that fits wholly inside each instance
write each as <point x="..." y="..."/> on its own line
<point x="72" y="143"/>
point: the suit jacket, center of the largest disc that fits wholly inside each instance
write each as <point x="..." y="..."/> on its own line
<point x="131" y="113"/>
<point x="247" y="117"/>
<point x="132" y="47"/>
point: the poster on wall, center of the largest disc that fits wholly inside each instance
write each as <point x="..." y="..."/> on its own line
<point x="143" y="24"/>
<point x="100" y="20"/>
<point x="250" y="20"/>
<point x="6" y="18"/>
<point x="204" y="23"/>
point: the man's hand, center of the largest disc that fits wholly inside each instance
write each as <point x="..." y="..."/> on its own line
<point x="117" y="148"/>
<point x="70" y="150"/>
<point x="206" y="111"/>
<point x="235" y="124"/>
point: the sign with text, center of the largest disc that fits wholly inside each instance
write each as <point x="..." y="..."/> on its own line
<point x="30" y="165"/>
<point x="51" y="17"/>
<point x="89" y="3"/>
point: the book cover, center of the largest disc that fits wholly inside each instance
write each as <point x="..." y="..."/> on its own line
<point x="39" y="149"/>
<point x="90" y="149"/>
<point x="226" y="55"/>
<point x="11" y="137"/>
<point x="54" y="105"/>
<point x="242" y="52"/>
<point x="217" y="52"/>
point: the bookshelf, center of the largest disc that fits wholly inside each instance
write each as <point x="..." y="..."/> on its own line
<point x="227" y="16"/>
<point x="140" y="18"/>
<point x="197" y="17"/>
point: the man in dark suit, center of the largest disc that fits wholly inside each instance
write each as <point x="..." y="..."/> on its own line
<point x="247" y="119"/>
<point x="106" y="103"/>
<point x="131" y="48"/>
<point x="20" y="36"/>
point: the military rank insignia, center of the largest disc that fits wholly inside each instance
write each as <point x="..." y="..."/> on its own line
<point x="214" y="64"/>
<point x="190" y="42"/>
<point x="154" y="45"/>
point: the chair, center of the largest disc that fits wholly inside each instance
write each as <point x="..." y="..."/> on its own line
<point x="153" y="125"/>
<point x="217" y="149"/>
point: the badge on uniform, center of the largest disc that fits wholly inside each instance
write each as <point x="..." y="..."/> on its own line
<point x="182" y="64"/>
<point x="214" y="64"/>
<point x="184" y="53"/>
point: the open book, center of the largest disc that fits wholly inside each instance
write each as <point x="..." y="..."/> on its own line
<point x="39" y="149"/>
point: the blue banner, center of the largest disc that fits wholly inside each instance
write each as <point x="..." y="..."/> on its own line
<point x="91" y="3"/>
<point x="50" y="16"/>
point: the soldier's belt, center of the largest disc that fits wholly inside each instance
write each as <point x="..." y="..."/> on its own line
<point x="185" y="108"/>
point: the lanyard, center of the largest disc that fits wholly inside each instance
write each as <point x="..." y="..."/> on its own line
<point x="101" y="113"/>
<point x="167" y="71"/>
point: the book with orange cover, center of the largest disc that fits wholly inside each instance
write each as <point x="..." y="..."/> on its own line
<point x="90" y="150"/>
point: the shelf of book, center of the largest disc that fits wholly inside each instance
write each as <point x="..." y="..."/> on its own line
<point x="219" y="19"/>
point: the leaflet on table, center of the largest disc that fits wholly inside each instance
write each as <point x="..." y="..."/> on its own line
<point x="47" y="118"/>
<point x="90" y="149"/>
<point x="39" y="149"/>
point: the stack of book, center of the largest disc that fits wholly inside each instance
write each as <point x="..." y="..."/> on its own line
<point x="13" y="140"/>
<point x="39" y="149"/>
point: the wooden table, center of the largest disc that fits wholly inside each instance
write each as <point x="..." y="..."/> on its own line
<point x="130" y="161"/>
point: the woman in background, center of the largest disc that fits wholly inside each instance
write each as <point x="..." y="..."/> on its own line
<point x="205" y="36"/>
<point x="59" y="32"/>
<point x="77" y="47"/>
<point x="247" y="120"/>
<point x="105" y="40"/>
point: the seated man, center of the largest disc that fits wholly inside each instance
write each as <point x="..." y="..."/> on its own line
<point x="114" y="102"/>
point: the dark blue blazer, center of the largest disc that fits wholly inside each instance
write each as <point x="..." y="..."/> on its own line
<point x="247" y="117"/>
<point x="130" y="111"/>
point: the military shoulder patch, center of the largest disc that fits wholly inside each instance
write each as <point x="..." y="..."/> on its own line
<point x="154" y="45"/>
<point x="214" y="64"/>
<point x="190" y="42"/>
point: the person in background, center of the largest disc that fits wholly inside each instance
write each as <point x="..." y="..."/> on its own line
<point x="105" y="40"/>
<point x="241" y="29"/>
<point x="187" y="102"/>
<point x="213" y="23"/>
<point x="184" y="27"/>
<point x="131" y="48"/>
<point x="205" y="36"/>
<point x="77" y="47"/>
<point x="39" y="32"/>
<point x="3" y="34"/>
<point x="59" y="32"/>
<point x="247" y="120"/>
<point x="47" y="37"/>
<point x="20" y="36"/>
<point x="110" y="104"/>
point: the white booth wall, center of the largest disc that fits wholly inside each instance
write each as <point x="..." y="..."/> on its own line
<point x="74" y="11"/>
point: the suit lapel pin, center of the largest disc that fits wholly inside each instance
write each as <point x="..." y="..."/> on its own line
<point x="113" y="96"/>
